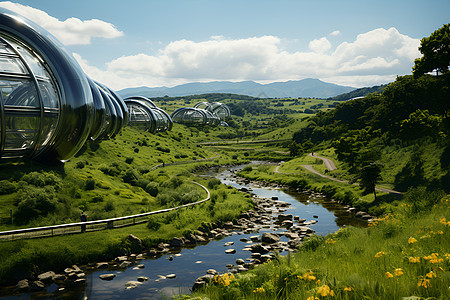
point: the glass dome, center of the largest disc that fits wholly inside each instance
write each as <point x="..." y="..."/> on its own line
<point x="48" y="106"/>
<point x="145" y="115"/>
<point x="219" y="109"/>
<point x="191" y="116"/>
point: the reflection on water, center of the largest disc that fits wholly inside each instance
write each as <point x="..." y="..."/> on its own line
<point x="190" y="263"/>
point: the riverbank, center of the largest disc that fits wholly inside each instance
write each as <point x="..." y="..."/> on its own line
<point x="288" y="232"/>
<point x="405" y="254"/>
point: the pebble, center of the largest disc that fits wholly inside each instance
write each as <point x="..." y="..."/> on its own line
<point x="171" y="276"/>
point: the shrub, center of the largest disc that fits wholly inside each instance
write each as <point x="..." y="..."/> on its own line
<point x="89" y="184"/>
<point x="109" y="206"/>
<point x="7" y="187"/>
<point x="129" y="160"/>
<point x="213" y="183"/>
<point x="79" y="165"/>
<point x="34" y="202"/>
<point x="422" y="199"/>
<point x="152" y="189"/>
<point x="247" y="169"/>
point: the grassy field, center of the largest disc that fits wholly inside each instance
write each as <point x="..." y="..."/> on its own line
<point x="405" y="255"/>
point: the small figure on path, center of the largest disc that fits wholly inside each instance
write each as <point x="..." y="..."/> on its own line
<point x="83" y="218"/>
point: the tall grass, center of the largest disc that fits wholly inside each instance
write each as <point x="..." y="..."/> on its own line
<point x="402" y="255"/>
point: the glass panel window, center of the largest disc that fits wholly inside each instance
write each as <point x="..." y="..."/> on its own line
<point x="31" y="60"/>
<point x="21" y="132"/>
<point x="49" y="95"/>
<point x="4" y="48"/>
<point x="19" y="93"/>
<point x="12" y="65"/>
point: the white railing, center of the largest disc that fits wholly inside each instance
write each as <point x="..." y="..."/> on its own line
<point x="90" y="225"/>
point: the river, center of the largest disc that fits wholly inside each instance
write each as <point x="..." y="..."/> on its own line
<point x="190" y="263"/>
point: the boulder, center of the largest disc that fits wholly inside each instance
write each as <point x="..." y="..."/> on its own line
<point x="107" y="276"/>
<point x="212" y="272"/>
<point x="270" y="238"/>
<point x="240" y="261"/>
<point x="37" y="286"/>
<point x="259" y="248"/>
<point x="132" y="284"/>
<point x="23" y="285"/>
<point x="46" y="277"/>
<point x="283" y="217"/>
<point x="102" y="265"/>
<point x="135" y="244"/>
<point x="177" y="242"/>
<point x="171" y="276"/>
<point x="230" y="251"/>
<point x="125" y="264"/>
<point x="142" y="278"/>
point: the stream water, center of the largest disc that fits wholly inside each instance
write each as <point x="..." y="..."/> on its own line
<point x="190" y="263"/>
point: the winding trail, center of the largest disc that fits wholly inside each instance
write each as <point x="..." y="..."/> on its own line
<point x="331" y="166"/>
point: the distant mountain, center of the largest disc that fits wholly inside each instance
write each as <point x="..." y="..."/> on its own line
<point x="300" y="88"/>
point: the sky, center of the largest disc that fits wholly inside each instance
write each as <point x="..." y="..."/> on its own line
<point x="158" y="43"/>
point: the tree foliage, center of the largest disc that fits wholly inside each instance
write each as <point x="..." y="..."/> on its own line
<point x="436" y="52"/>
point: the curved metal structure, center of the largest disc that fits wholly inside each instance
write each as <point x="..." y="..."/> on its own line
<point x="191" y="116"/>
<point x="219" y="109"/>
<point x="145" y="115"/>
<point x="48" y="106"/>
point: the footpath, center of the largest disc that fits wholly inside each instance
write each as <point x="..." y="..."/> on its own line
<point x="331" y="167"/>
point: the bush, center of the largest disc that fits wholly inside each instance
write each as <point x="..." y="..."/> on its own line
<point x="79" y="165"/>
<point x="421" y="199"/>
<point x="34" y="202"/>
<point x="109" y="206"/>
<point x="247" y="169"/>
<point x="129" y="160"/>
<point x="89" y="184"/>
<point x="152" y="188"/>
<point x="7" y="187"/>
<point x="213" y="183"/>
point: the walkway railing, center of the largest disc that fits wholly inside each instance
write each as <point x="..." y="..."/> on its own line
<point x="72" y="228"/>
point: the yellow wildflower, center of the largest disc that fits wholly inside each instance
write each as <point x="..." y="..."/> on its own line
<point x="348" y="289"/>
<point x="398" y="272"/>
<point x="325" y="290"/>
<point x="440" y="232"/>
<point x="412" y="240"/>
<point x="431" y="274"/>
<point x="443" y="221"/>
<point x="414" y="260"/>
<point x="330" y="241"/>
<point x="380" y="254"/>
<point x="424" y="282"/>
<point x="318" y="281"/>
<point x="259" y="290"/>
<point x="447" y="255"/>
<point x="312" y="298"/>
<point x="388" y="275"/>
<point x="308" y="276"/>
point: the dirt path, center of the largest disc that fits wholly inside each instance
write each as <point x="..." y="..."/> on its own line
<point x="328" y="162"/>
<point x="330" y="166"/>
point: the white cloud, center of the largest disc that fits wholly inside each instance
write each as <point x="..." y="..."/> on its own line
<point x="335" y="33"/>
<point x="72" y="31"/>
<point x="372" y="58"/>
<point x="321" y="45"/>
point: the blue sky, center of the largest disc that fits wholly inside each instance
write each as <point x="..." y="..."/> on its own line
<point x="169" y="42"/>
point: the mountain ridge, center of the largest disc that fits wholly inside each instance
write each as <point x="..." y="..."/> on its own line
<point x="308" y="87"/>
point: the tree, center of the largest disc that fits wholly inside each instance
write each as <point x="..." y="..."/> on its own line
<point x="369" y="176"/>
<point x="436" y="52"/>
<point x="295" y="149"/>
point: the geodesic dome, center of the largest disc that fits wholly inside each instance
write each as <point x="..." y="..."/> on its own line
<point x="48" y="106"/>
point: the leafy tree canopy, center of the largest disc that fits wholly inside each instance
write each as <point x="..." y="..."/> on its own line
<point x="436" y="52"/>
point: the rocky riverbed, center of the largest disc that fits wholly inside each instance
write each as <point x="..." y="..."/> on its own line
<point x="271" y="226"/>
